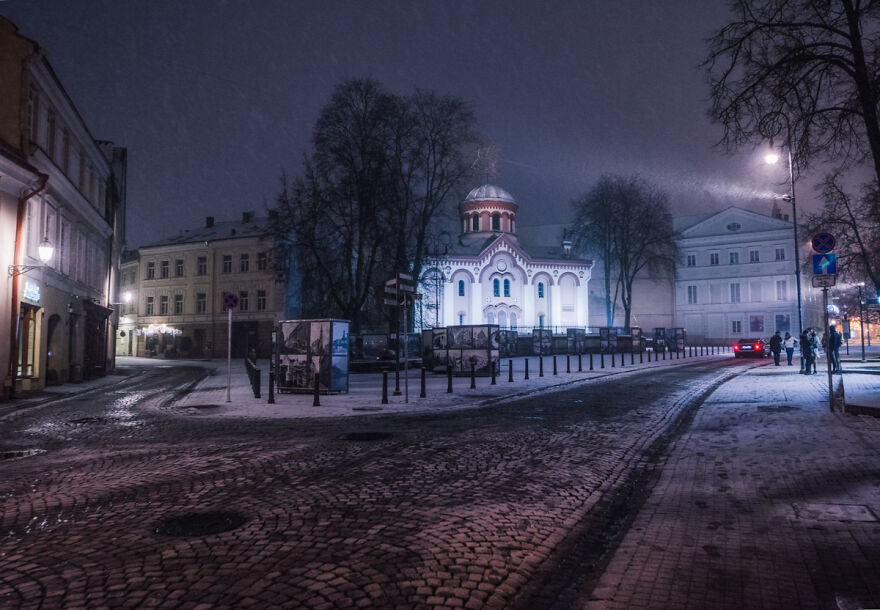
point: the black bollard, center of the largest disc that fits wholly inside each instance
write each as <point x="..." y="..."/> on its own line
<point x="397" y="391"/>
<point x="664" y="353"/>
<point x="601" y="360"/>
<point x="567" y="363"/>
<point x="473" y="377"/>
<point x="641" y="357"/>
<point x="649" y="356"/>
<point x="591" y="361"/>
<point x="612" y="359"/>
<point x="271" y="387"/>
<point x="555" y="372"/>
<point x="622" y="359"/>
<point x="580" y="364"/>
<point x="317" y="401"/>
<point x="510" y="371"/>
<point x="632" y="357"/>
<point x="492" y="364"/>
<point x="449" y="379"/>
<point x="423" y="394"/>
<point x="540" y="366"/>
<point x="527" y="369"/>
<point x="384" y="387"/>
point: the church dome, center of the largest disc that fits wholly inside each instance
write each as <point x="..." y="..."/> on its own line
<point x="489" y="192"/>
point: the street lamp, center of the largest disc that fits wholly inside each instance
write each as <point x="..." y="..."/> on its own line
<point x="861" y="319"/>
<point x="45" y="251"/>
<point x="771" y="159"/>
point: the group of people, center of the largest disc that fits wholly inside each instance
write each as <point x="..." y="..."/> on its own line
<point x="809" y="344"/>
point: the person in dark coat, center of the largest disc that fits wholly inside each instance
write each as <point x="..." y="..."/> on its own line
<point x="835" y="340"/>
<point x="776" y="347"/>
<point x="806" y="353"/>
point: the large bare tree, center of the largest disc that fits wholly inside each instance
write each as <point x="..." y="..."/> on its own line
<point x="807" y="72"/>
<point x="625" y="222"/>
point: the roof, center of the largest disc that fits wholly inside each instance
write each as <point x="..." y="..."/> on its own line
<point x="534" y="251"/>
<point x="230" y="229"/>
<point x="489" y="192"/>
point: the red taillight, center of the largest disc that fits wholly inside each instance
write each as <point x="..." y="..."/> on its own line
<point x="757" y="346"/>
<point x="736" y="348"/>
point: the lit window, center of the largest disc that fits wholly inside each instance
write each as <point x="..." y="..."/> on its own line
<point x="540" y="290"/>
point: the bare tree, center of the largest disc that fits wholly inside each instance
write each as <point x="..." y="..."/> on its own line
<point x="625" y="221"/>
<point x="808" y="71"/>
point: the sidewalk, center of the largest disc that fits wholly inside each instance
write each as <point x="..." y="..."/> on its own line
<point x="365" y="389"/>
<point x="769" y="500"/>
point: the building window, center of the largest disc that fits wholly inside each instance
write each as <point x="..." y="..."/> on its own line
<point x="756" y="324"/>
<point x="496" y="288"/>
<point x="149" y="308"/>
<point x="65" y="151"/>
<point x="51" y="127"/>
<point x="163" y="269"/>
<point x="541" y="321"/>
<point x="783" y="322"/>
<point x="780" y="254"/>
<point x="781" y="292"/>
<point x="201" y="302"/>
<point x="178" y="267"/>
<point x="151" y="271"/>
<point x="691" y="260"/>
<point x="244" y="263"/>
<point x="461" y="319"/>
<point x="754" y="257"/>
<point x="262" y="261"/>
<point x="178" y="304"/>
<point x="490" y="318"/>
<point x="496" y="222"/>
<point x="507" y="288"/>
<point x="540" y="290"/>
<point x="734" y="258"/>
<point x="692" y="295"/>
<point x="461" y="288"/>
<point x="227" y="263"/>
<point x="202" y="266"/>
<point x="734" y="293"/>
<point x="475" y="223"/>
<point x="163" y="305"/>
<point x="243" y="300"/>
<point x="736" y="327"/>
<point x="714" y="258"/>
<point x="261" y="300"/>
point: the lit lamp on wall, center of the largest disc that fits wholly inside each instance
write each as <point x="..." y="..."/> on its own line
<point x="45" y="251"/>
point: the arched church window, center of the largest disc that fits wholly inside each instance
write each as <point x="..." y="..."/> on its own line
<point x="496" y="287"/>
<point x="502" y="319"/>
<point x="513" y="321"/>
<point x="461" y="288"/>
<point x="507" y="288"/>
<point x="496" y="222"/>
<point x="541" y="321"/>
<point x="540" y="290"/>
<point x="490" y="318"/>
<point x="475" y="223"/>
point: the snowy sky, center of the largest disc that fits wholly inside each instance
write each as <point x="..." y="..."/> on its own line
<point x="214" y="98"/>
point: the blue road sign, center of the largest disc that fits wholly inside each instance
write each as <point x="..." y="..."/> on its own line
<point x="824" y="264"/>
<point x="823" y="243"/>
<point x="230" y="300"/>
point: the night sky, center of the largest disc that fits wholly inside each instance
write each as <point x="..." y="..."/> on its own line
<point x="213" y="99"/>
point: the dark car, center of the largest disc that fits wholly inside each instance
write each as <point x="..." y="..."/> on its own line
<point x="750" y="348"/>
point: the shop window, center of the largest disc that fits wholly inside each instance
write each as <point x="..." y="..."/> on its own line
<point x="27" y="342"/>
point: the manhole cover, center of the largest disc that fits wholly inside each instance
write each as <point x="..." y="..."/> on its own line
<point x="20" y="453"/>
<point x="83" y="421"/>
<point x="833" y="512"/>
<point x="365" y="436"/>
<point x="777" y="408"/>
<point x="200" y="524"/>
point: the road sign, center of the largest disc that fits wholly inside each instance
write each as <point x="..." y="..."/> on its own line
<point x="824" y="264"/>
<point x="405" y="286"/>
<point x="392" y="302"/>
<point x="823" y="243"/>
<point x="230" y="300"/>
<point x="824" y="281"/>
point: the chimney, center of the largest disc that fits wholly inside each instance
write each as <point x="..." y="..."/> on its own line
<point x="246" y="217"/>
<point x="209" y="222"/>
<point x="566" y="248"/>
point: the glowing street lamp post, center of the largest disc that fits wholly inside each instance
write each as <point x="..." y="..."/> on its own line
<point x="771" y="159"/>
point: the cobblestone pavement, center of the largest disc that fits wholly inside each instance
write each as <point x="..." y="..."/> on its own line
<point x="467" y="509"/>
<point x="769" y="500"/>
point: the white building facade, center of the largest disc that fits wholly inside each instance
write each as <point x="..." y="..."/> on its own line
<point x="491" y="276"/>
<point x="736" y="278"/>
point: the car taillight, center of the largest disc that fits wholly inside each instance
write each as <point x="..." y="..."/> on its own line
<point x="736" y="348"/>
<point x="757" y="346"/>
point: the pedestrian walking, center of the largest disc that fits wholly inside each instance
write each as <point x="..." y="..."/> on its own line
<point x="806" y="353"/>
<point x="835" y="340"/>
<point x="789" y="343"/>
<point x="814" y="352"/>
<point x="776" y="347"/>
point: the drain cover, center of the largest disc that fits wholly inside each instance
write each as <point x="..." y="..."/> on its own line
<point x="20" y="453"/>
<point x="365" y="436"/>
<point x="200" y="524"/>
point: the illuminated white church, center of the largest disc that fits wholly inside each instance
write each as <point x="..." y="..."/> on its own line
<point x="494" y="274"/>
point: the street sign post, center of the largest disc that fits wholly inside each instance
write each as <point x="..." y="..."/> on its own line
<point x="824" y="264"/>
<point x="824" y="281"/>
<point x="230" y="302"/>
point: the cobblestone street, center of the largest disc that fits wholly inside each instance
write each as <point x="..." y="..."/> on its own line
<point x="474" y="508"/>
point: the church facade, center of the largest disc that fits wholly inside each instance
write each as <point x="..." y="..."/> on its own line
<point x="496" y="275"/>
